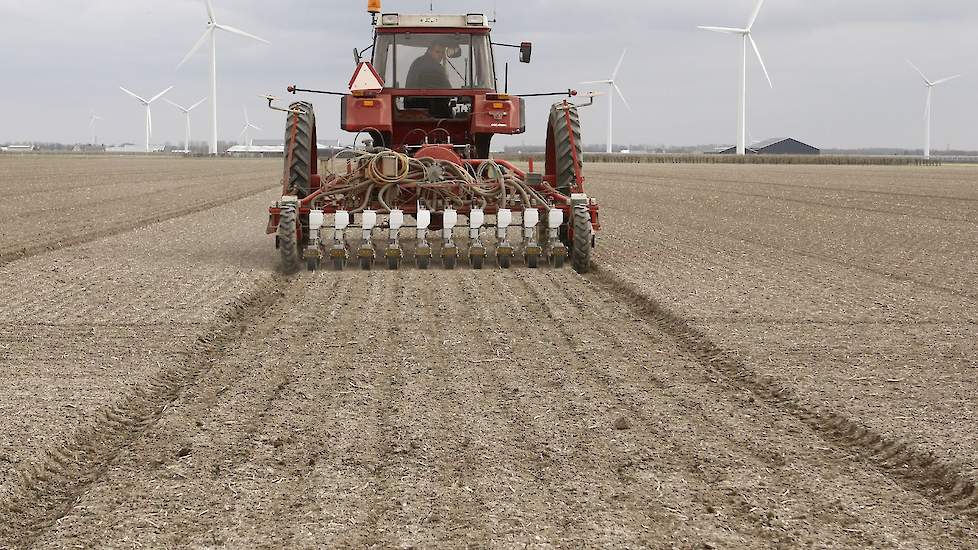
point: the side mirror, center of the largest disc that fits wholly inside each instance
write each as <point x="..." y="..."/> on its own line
<point x="356" y="56"/>
<point x="526" y="50"/>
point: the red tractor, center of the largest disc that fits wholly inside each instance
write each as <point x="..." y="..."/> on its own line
<point x="429" y="102"/>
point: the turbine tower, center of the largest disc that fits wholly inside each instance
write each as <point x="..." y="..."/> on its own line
<point x="930" y="91"/>
<point x="186" y="112"/>
<point x="613" y="88"/>
<point x="248" y="126"/>
<point x="212" y="27"/>
<point x="91" y="125"/>
<point x="746" y="37"/>
<point x="149" y="114"/>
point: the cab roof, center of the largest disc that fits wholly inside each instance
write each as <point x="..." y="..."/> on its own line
<point x="433" y="21"/>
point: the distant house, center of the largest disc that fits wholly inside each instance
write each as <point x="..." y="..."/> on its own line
<point x="776" y="146"/>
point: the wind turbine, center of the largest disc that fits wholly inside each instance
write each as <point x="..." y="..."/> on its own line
<point x="149" y="114"/>
<point x="91" y="125"/>
<point x="248" y="126"/>
<point x="611" y="97"/>
<point x="186" y="112"/>
<point x="930" y="91"/>
<point x="212" y="27"/>
<point x="746" y="37"/>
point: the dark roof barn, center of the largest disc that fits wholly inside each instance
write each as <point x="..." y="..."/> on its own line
<point x="777" y="146"/>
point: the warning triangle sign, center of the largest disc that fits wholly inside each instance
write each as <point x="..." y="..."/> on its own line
<point x="365" y="79"/>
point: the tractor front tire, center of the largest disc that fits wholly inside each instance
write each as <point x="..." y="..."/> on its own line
<point x="583" y="237"/>
<point x="288" y="239"/>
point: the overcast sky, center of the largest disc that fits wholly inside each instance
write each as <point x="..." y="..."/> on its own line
<point x="839" y="69"/>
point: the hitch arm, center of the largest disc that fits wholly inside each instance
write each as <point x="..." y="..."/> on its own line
<point x="568" y="93"/>
<point x="293" y="89"/>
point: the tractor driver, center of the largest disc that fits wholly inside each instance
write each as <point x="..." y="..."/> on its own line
<point x="428" y="71"/>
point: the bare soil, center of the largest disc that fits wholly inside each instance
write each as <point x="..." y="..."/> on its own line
<point x="764" y="357"/>
<point x="52" y="201"/>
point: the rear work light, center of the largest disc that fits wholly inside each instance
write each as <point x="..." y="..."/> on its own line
<point x="497" y="97"/>
<point x="475" y="19"/>
<point x="390" y="19"/>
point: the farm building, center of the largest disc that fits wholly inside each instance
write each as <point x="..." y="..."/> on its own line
<point x="19" y="149"/>
<point x="273" y="148"/>
<point x="776" y="146"/>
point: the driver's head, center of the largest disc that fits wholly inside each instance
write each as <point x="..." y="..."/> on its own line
<point x="438" y="50"/>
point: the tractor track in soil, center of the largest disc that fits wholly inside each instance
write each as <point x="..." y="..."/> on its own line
<point x="957" y="293"/>
<point x="647" y="181"/>
<point x="20" y="252"/>
<point x="45" y="491"/>
<point x="792" y="186"/>
<point x="946" y="483"/>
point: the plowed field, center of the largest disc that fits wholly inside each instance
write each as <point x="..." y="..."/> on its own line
<point x="762" y="357"/>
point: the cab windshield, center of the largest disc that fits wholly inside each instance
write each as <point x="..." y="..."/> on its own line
<point x="434" y="61"/>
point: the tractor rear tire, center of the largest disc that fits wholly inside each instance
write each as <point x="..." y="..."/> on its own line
<point x="564" y="140"/>
<point x="288" y="238"/>
<point x="583" y="237"/>
<point x="300" y="149"/>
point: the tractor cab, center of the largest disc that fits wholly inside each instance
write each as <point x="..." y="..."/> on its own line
<point x="439" y="87"/>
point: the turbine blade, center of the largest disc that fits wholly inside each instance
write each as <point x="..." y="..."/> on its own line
<point x="621" y="60"/>
<point x="196" y="47"/>
<point x="133" y="95"/>
<point x="159" y="95"/>
<point x="727" y="30"/>
<point x="596" y="82"/>
<point x="622" y="96"/>
<point x="921" y="73"/>
<point x="233" y="30"/>
<point x="245" y="110"/>
<point x="210" y="10"/>
<point x="195" y="105"/>
<point x="753" y="16"/>
<point x="178" y="106"/>
<point x="943" y="80"/>
<point x="761" y="59"/>
<point x="256" y="127"/>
